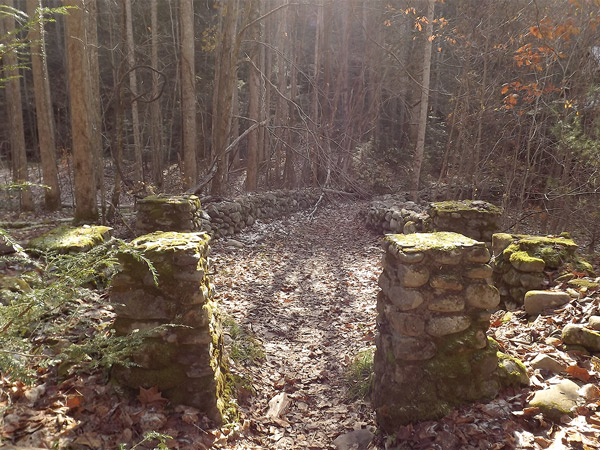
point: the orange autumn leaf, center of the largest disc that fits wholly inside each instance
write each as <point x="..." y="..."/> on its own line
<point x="504" y="89"/>
<point x="74" y="401"/>
<point x="579" y="373"/>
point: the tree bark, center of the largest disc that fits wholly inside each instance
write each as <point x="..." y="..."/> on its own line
<point x="225" y="84"/>
<point x="156" y="134"/>
<point x="254" y="84"/>
<point x="86" y="209"/>
<point x="138" y="168"/>
<point x="15" y="116"/>
<point x="43" y="107"/>
<point x="420" y="147"/>
<point x="188" y="93"/>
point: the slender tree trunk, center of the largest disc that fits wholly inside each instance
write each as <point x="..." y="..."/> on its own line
<point x="138" y="167"/>
<point x="188" y="93"/>
<point x="94" y="97"/>
<point x="156" y="132"/>
<point x="81" y="114"/>
<point x="254" y="113"/>
<point x="420" y="148"/>
<point x="290" y="155"/>
<point x="43" y="107"/>
<point x="226" y="82"/>
<point x="15" y="116"/>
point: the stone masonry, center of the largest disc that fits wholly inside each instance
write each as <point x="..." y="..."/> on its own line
<point x="168" y="213"/>
<point x="433" y="313"/>
<point x="185" y="362"/>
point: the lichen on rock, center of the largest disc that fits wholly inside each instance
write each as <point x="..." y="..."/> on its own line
<point x="67" y="239"/>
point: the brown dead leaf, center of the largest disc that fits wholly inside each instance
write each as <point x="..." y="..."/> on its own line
<point x="150" y="396"/>
<point x="579" y="373"/>
<point x="74" y="401"/>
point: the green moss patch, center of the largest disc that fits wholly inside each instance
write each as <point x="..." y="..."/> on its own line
<point x="465" y="206"/>
<point x="67" y="239"/>
<point x="419" y="242"/>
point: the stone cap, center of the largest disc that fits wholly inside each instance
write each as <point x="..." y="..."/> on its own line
<point x="165" y="241"/>
<point x="170" y="199"/>
<point x="423" y="242"/>
<point x="464" y="206"/>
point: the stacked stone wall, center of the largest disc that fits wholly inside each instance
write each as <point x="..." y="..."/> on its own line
<point x="473" y="218"/>
<point x="395" y="215"/>
<point x="224" y="218"/>
<point x="433" y="314"/>
<point x="184" y="362"/>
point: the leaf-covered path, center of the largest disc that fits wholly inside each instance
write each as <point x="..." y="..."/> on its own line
<point x="306" y="288"/>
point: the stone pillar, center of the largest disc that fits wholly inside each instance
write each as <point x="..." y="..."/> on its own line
<point x="433" y="314"/>
<point x="184" y="362"/>
<point x="473" y="218"/>
<point x="168" y="213"/>
<point x="522" y="263"/>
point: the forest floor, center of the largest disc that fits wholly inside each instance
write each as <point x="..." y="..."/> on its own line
<point x="303" y="289"/>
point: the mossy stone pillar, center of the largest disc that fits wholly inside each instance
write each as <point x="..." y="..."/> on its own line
<point x="186" y="362"/>
<point x="522" y="261"/>
<point x="472" y="218"/>
<point x="433" y="313"/>
<point x="168" y="213"/>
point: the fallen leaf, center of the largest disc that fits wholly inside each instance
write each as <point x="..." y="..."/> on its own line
<point x="579" y="373"/>
<point x="152" y="395"/>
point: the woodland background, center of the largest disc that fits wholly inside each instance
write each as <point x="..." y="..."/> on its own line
<point x="488" y="99"/>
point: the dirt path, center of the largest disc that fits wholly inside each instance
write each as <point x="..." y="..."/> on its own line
<point x="306" y="287"/>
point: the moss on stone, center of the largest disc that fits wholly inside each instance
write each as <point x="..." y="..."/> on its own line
<point x="523" y="261"/>
<point x="420" y="242"/>
<point x="511" y="371"/>
<point x="168" y="241"/>
<point x="65" y="239"/>
<point x="465" y="205"/>
<point x="579" y="283"/>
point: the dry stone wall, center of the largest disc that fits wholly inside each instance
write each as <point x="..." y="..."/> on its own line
<point x="186" y="362"/>
<point x="395" y="215"/>
<point x="224" y="218"/>
<point x="433" y="313"/>
<point x="473" y="218"/>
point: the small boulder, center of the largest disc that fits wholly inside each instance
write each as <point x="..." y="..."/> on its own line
<point x="537" y="301"/>
<point x="545" y="362"/>
<point x="594" y="323"/>
<point x="355" y="440"/>
<point x="574" y="334"/>
<point x="557" y="400"/>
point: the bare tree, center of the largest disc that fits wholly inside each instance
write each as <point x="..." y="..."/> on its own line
<point x="420" y="147"/>
<point x="156" y="132"/>
<point x="82" y="115"/>
<point x="43" y="106"/>
<point x="15" y="114"/>
<point x="138" y="172"/>
<point x="188" y="92"/>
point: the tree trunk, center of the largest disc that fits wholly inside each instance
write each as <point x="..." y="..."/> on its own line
<point x="188" y="93"/>
<point x="138" y="168"/>
<point x="43" y="107"/>
<point x="15" y="116"/>
<point x="420" y="147"/>
<point x="254" y="84"/>
<point x="86" y="209"/>
<point x="156" y="135"/>
<point x="94" y="97"/>
<point x="226" y="83"/>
